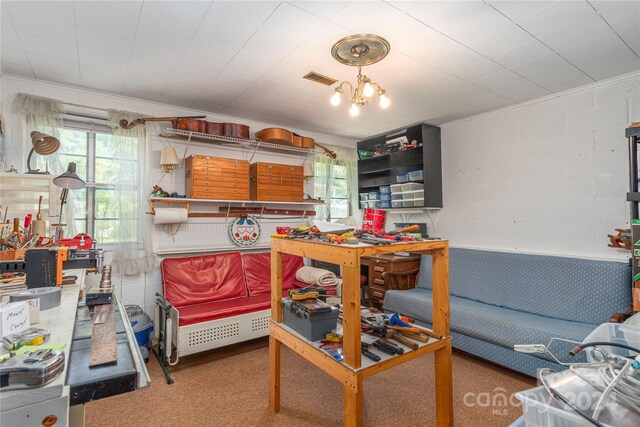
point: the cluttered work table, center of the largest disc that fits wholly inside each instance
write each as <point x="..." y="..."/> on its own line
<point x="351" y="370"/>
<point x="61" y="401"/>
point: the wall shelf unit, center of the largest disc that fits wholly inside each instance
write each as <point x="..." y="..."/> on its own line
<point x="251" y="145"/>
<point x="382" y="170"/>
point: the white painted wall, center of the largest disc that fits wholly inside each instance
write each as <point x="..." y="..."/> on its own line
<point x="548" y="176"/>
<point x="140" y="289"/>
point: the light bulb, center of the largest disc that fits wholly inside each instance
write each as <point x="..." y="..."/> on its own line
<point x="368" y="90"/>
<point x="384" y="101"/>
<point x="354" y="110"/>
<point x="335" y="99"/>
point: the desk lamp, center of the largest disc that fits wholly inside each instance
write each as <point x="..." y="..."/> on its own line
<point x="67" y="181"/>
<point x="44" y="145"/>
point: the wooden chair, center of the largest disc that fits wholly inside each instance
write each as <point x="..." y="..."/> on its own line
<point x="400" y="281"/>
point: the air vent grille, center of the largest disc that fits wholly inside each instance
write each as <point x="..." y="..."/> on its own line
<point x="319" y="78"/>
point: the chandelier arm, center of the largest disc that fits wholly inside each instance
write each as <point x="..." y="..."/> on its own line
<point x="350" y="89"/>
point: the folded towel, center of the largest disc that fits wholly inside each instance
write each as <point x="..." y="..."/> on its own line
<point x="316" y="276"/>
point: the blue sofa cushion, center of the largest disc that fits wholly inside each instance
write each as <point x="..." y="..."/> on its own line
<point x="493" y="324"/>
<point x="572" y="289"/>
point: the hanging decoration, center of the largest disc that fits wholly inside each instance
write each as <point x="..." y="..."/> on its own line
<point x="244" y="231"/>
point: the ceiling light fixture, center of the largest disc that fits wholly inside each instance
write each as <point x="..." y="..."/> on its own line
<point x="360" y="50"/>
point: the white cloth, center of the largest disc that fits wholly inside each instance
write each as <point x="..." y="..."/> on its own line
<point x="316" y="276"/>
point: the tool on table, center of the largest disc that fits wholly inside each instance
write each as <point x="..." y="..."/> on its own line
<point x="301" y="294"/>
<point x="402" y="340"/>
<point x="367" y="353"/>
<point x="49" y="297"/>
<point x="103" y="293"/>
<point x="387" y="347"/>
<point x="32" y="369"/>
<point x="31" y="336"/>
<point x="39" y="226"/>
<point x="104" y="348"/>
<point x="333" y="337"/>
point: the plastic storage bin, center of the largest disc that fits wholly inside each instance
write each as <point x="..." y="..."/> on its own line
<point x="374" y="195"/>
<point x="385" y="204"/>
<point x="313" y="327"/>
<point x="407" y="203"/>
<point x="617" y="333"/>
<point x="396" y="188"/>
<point x="418" y="201"/>
<point x="412" y="186"/>
<point x="385" y="189"/>
<point x="364" y="196"/>
<point x="385" y="197"/>
<point x="396" y="203"/>
<point x="407" y="195"/>
<point x="538" y="413"/>
<point x="364" y="204"/>
<point x="396" y="196"/>
<point x="415" y="175"/>
<point x="402" y="177"/>
<point x="373" y="203"/>
<point x="418" y="194"/>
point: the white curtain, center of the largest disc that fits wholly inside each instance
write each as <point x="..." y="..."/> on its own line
<point x="45" y="115"/>
<point x="324" y="173"/>
<point x="133" y="254"/>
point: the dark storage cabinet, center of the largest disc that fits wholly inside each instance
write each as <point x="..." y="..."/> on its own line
<point x="376" y="171"/>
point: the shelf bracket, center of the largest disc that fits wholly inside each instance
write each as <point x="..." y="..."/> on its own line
<point x="255" y="151"/>
<point x="228" y="210"/>
<point x="261" y="212"/>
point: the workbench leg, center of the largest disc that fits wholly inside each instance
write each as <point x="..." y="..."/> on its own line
<point x="444" y="386"/>
<point x="274" y="374"/>
<point x="351" y="316"/>
<point x="353" y="403"/>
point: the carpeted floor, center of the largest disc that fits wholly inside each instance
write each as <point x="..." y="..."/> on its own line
<point x="229" y="387"/>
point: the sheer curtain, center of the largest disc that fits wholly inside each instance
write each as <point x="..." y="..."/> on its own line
<point x="324" y="173"/>
<point x="133" y="254"/>
<point x="45" y="115"/>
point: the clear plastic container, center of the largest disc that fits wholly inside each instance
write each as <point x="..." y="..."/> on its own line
<point x="385" y="189"/>
<point x="416" y="175"/>
<point x="396" y="188"/>
<point x="364" y="197"/>
<point x="417" y="194"/>
<point x="407" y="195"/>
<point x="364" y="204"/>
<point x="373" y="203"/>
<point x="396" y="203"/>
<point x="412" y="186"/>
<point x="407" y="203"/>
<point x="613" y="332"/>
<point x="385" y="197"/>
<point x="402" y="177"/>
<point x="396" y="196"/>
<point x="373" y="195"/>
<point x="418" y="201"/>
<point x="385" y="204"/>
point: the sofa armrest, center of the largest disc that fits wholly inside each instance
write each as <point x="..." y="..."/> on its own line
<point x="621" y="317"/>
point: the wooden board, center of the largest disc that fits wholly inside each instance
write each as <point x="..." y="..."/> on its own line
<point x="104" y="348"/>
<point x="100" y="313"/>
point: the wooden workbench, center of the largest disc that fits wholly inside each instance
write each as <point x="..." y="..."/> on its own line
<point x="350" y="371"/>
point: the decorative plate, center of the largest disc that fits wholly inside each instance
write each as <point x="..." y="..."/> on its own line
<point x="244" y="231"/>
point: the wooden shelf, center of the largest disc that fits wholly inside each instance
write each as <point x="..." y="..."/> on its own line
<point x="222" y="202"/>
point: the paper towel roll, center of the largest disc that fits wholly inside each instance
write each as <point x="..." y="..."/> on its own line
<point x="170" y="216"/>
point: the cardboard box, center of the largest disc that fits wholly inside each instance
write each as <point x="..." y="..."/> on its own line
<point x="14" y="318"/>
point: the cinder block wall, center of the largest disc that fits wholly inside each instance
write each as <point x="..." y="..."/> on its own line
<point x="548" y="176"/>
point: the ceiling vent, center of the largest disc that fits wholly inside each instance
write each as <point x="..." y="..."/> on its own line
<point x="319" y="78"/>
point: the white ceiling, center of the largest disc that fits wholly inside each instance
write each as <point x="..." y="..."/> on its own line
<point x="448" y="59"/>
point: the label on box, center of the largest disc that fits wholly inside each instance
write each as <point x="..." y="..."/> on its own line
<point x="14" y="318"/>
<point x="34" y="310"/>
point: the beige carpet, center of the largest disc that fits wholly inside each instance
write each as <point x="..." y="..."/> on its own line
<point x="229" y="387"/>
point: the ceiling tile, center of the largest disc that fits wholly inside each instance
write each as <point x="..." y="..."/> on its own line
<point x="523" y="53"/>
<point x="577" y="32"/>
<point x="251" y="62"/>
<point x="610" y="64"/>
<point x="221" y="93"/>
<point x="5" y="19"/>
<point x="456" y="60"/>
<point x="118" y="18"/>
<point x="42" y="64"/>
<point x="14" y="56"/>
<point x="142" y="88"/>
<point x="233" y="23"/>
<point x="630" y="33"/>
<point x="237" y="77"/>
<point x="539" y="65"/>
<point x="479" y="69"/>
<point x="47" y="47"/>
<point x="9" y="38"/>
<point x="48" y="22"/>
<point x="522" y="90"/>
<point x="505" y="38"/>
<point x="91" y="58"/>
<point x="107" y="44"/>
<point x="498" y="79"/>
<point x="182" y="16"/>
<point x="560" y="78"/>
<point x="167" y="39"/>
<point x="556" y="15"/>
<point x="366" y="17"/>
<point x="322" y="9"/>
<point x="593" y="47"/>
<point x="18" y="70"/>
<point x="518" y="9"/>
<point x="618" y="13"/>
<point x="635" y="46"/>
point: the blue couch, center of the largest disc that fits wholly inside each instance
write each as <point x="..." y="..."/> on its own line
<point x="499" y="299"/>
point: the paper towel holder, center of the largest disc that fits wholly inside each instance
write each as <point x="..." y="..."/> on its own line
<point x="176" y="200"/>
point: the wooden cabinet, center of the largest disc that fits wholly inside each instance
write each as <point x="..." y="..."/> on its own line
<point x="216" y="178"/>
<point x="276" y="182"/>
<point x="379" y="284"/>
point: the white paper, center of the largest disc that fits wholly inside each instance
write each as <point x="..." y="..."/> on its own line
<point x="14" y="318"/>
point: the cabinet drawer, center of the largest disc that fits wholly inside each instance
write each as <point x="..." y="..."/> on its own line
<point x="376" y="292"/>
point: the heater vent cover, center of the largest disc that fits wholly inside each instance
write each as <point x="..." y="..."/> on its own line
<point x="319" y="78"/>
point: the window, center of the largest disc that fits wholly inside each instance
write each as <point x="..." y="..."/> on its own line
<point x="337" y="193"/>
<point x="103" y="160"/>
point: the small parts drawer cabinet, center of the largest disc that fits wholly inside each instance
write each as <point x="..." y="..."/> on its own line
<point x="275" y="182"/>
<point x="216" y="178"/>
<point x="380" y="264"/>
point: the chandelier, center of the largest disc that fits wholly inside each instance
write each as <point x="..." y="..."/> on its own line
<point x="359" y="50"/>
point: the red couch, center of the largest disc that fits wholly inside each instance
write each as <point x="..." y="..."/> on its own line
<point x="220" y="299"/>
